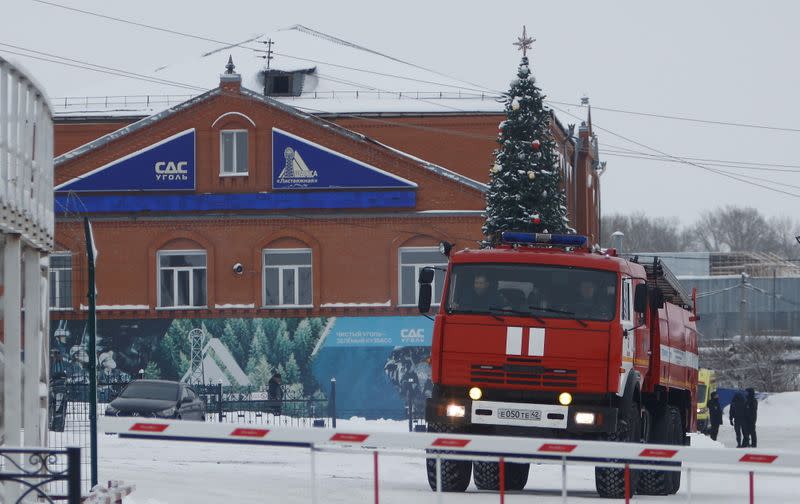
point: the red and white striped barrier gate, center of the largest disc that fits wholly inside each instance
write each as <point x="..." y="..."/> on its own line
<point x="465" y="446"/>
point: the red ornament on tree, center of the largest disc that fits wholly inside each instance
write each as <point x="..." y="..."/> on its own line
<point x="536" y="144"/>
<point x="536" y="218"/>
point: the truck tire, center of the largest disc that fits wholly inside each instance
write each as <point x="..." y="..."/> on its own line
<point x="455" y="473"/>
<point x="667" y="429"/>
<point x="610" y="481"/>
<point x="487" y="475"/>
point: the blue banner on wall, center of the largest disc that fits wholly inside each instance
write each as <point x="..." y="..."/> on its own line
<point x="168" y="165"/>
<point x="380" y="363"/>
<point x="300" y="164"/>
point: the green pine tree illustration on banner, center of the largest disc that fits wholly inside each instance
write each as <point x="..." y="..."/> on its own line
<point x="525" y="191"/>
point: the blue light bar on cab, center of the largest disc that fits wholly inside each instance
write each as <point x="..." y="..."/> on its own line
<point x="544" y="238"/>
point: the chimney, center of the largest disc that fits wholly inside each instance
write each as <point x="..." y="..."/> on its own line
<point x="230" y="80"/>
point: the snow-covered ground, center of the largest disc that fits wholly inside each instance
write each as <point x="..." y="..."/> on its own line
<point x="177" y="472"/>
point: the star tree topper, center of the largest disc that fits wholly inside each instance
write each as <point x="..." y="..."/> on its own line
<point x="524" y="42"/>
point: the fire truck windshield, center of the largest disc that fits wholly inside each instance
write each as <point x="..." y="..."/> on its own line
<point x="539" y="290"/>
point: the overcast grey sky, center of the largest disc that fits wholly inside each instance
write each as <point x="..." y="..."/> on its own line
<point x="719" y="60"/>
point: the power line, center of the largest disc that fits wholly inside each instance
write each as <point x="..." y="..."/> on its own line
<point x="475" y="87"/>
<point x="684" y="118"/>
<point x="685" y="161"/>
<point x="61" y="60"/>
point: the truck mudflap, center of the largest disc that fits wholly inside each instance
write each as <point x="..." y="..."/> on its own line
<point x="576" y="419"/>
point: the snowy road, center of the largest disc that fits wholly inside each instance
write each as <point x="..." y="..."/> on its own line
<point x="178" y="472"/>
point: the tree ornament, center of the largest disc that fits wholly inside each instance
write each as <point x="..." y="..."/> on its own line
<point x="536" y="145"/>
<point x="536" y="219"/>
<point x="496" y="168"/>
<point x="515" y="103"/>
<point x="531" y="174"/>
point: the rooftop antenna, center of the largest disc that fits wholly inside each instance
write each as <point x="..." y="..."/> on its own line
<point x="269" y="57"/>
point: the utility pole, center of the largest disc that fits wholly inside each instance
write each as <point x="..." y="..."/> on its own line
<point x="92" y="365"/>
<point x="743" y="308"/>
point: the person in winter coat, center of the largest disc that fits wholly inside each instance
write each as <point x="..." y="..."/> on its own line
<point x="751" y="414"/>
<point x="275" y="393"/>
<point x="737" y="416"/>
<point x="714" y="415"/>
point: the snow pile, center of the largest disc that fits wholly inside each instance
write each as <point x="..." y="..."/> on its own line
<point x="780" y="410"/>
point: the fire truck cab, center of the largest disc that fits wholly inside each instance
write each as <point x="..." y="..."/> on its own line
<point x="543" y="337"/>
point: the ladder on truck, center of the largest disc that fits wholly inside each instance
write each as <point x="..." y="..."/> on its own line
<point x="661" y="277"/>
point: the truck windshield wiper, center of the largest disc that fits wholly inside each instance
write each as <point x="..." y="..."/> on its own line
<point x="517" y="312"/>
<point x="555" y="310"/>
<point x="480" y="312"/>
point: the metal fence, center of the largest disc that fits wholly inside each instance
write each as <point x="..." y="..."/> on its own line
<point x="40" y="474"/>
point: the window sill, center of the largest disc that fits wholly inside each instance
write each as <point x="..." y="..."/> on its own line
<point x="65" y="308"/>
<point x="167" y="308"/>
<point x="245" y="174"/>
<point x="286" y="307"/>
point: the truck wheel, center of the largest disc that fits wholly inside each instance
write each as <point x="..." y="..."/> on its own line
<point x="455" y="473"/>
<point x="667" y="429"/>
<point x="610" y="481"/>
<point x="678" y="439"/>
<point x="487" y="475"/>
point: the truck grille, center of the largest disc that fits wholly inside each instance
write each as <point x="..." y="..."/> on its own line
<point x="524" y="372"/>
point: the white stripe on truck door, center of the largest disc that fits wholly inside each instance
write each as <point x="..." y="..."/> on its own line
<point x="513" y="341"/>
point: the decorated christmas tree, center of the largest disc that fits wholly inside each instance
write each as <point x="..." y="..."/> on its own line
<point x="525" y="192"/>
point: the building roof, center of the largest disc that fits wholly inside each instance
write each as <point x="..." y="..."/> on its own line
<point x="340" y="77"/>
<point x="148" y="121"/>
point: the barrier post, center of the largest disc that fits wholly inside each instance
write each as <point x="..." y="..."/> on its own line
<point x="752" y="489"/>
<point x="564" y="479"/>
<point x="410" y="407"/>
<point x="627" y="484"/>
<point x="375" y="468"/>
<point x="502" y="480"/>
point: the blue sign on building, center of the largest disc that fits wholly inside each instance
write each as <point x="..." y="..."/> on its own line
<point x="300" y="164"/>
<point x="380" y="363"/>
<point x="168" y="165"/>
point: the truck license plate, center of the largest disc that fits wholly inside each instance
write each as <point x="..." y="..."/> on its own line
<point x="519" y="414"/>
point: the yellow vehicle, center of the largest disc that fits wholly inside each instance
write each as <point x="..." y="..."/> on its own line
<point x="706" y="383"/>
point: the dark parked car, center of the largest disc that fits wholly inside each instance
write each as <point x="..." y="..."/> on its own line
<point x="158" y="399"/>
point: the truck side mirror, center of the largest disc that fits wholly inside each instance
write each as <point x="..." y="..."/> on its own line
<point x="425" y="289"/>
<point x="640" y="298"/>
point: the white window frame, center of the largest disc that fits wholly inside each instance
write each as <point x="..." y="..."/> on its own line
<point x="417" y="268"/>
<point x="234" y="173"/>
<point x="627" y="286"/>
<point x="281" y="268"/>
<point x="190" y="269"/>
<point x="54" y="279"/>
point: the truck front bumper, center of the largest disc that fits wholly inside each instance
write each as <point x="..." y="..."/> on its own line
<point x="500" y="416"/>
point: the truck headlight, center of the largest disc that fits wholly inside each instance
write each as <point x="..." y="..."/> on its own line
<point x="701" y="411"/>
<point x="565" y="398"/>
<point x="456" y="410"/>
<point x="475" y="393"/>
<point x="584" y="418"/>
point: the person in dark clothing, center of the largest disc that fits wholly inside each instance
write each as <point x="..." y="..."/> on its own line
<point x="275" y="393"/>
<point x="714" y="415"/>
<point x="483" y="296"/>
<point x="751" y="414"/>
<point x="737" y="416"/>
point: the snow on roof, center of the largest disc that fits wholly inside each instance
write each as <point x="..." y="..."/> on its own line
<point x="340" y="78"/>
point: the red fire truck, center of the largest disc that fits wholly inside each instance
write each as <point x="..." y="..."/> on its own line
<point x="544" y="337"/>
